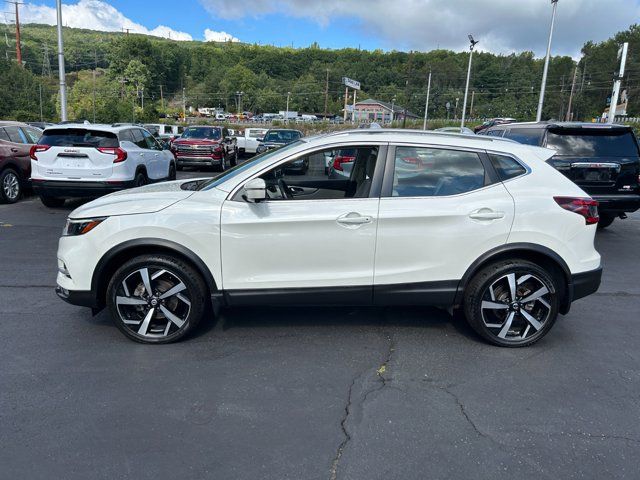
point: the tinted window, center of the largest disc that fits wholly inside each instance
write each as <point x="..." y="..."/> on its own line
<point x="151" y="142"/>
<point x="3" y="135"/>
<point x="506" y="167"/>
<point x="495" y="133"/>
<point x="78" y="137"/>
<point x="429" y="172"/>
<point x="526" y="136"/>
<point x="307" y="178"/>
<point x="282" y="136"/>
<point x="32" y="134"/>
<point x="125" y="136"/>
<point x="208" y="133"/>
<point x="15" y="135"/>
<point x="608" y="143"/>
<point x="138" y="138"/>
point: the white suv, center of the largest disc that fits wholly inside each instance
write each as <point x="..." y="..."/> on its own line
<point x="448" y="220"/>
<point x="87" y="160"/>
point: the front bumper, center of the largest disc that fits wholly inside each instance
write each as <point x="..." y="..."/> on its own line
<point x="78" y="297"/>
<point x="625" y="203"/>
<point x="188" y="161"/>
<point x="60" y="188"/>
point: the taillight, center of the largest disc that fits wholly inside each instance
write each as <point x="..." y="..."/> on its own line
<point x="340" y="159"/>
<point x="587" y="207"/>
<point x="37" y="148"/>
<point x="120" y="154"/>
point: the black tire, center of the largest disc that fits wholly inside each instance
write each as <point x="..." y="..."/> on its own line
<point x="140" y="180"/>
<point x="179" y="167"/>
<point x="501" y="320"/>
<point x="130" y="318"/>
<point x="10" y="186"/>
<point x="51" y="202"/>
<point x="606" y="219"/>
<point x="172" y="172"/>
<point x="223" y="164"/>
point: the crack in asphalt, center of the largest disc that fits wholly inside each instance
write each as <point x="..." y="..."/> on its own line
<point x="382" y="382"/>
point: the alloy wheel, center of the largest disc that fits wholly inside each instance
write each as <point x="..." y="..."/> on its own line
<point x="11" y="186"/>
<point x="153" y="302"/>
<point x="516" y="306"/>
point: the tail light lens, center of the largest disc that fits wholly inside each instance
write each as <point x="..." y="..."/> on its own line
<point x="120" y="154"/>
<point x="587" y="207"/>
<point x="340" y="159"/>
<point x="37" y="148"/>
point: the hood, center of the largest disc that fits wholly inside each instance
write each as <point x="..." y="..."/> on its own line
<point x="147" y="199"/>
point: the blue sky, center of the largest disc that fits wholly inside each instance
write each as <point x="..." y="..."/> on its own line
<point x="369" y="24"/>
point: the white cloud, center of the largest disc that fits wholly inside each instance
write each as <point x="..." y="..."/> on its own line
<point x="94" y="15"/>
<point x="501" y="25"/>
<point x="213" y="36"/>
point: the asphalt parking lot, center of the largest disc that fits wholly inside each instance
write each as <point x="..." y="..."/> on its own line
<point x="354" y="393"/>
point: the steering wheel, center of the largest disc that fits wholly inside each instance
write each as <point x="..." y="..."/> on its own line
<point x="286" y="193"/>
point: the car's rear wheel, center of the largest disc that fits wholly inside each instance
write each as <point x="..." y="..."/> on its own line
<point x="156" y="298"/>
<point x="10" y="189"/>
<point x="172" y="172"/>
<point x="512" y="303"/>
<point x="606" y="219"/>
<point x="51" y="202"/>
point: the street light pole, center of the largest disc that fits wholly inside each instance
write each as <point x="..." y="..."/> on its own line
<point x="426" y="106"/>
<point x="61" y="73"/>
<point x="473" y="43"/>
<point x="543" y="87"/>
<point x="286" y="113"/>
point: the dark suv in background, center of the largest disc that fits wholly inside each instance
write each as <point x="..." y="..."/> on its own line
<point x="604" y="160"/>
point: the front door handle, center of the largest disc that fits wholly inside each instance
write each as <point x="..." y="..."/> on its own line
<point x="353" y="218"/>
<point x="486" y="214"/>
<point x="14" y="150"/>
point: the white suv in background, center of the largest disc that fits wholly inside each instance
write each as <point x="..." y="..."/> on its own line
<point x="87" y="160"/>
<point x="455" y="221"/>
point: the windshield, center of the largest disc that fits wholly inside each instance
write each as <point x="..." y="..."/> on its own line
<point x="208" y="133"/>
<point x="78" y="137"/>
<point x="282" y="136"/>
<point x="603" y="143"/>
<point x="232" y="172"/>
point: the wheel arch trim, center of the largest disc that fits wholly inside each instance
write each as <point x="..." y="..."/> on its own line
<point x="98" y="281"/>
<point x="515" y="248"/>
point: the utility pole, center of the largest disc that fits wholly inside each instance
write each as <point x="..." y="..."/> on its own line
<point x="426" y="106"/>
<point x="393" y="104"/>
<point x="184" y="105"/>
<point x="473" y="96"/>
<point x="61" y="74"/>
<point x="286" y="113"/>
<point x="569" y="115"/>
<point x="622" y="54"/>
<point x="346" y="99"/>
<point x="543" y="87"/>
<point x="161" y="99"/>
<point x="326" y="94"/>
<point x="40" y="92"/>
<point x="473" y="43"/>
<point x="95" y="67"/>
<point x="18" y="46"/>
<point x="46" y="63"/>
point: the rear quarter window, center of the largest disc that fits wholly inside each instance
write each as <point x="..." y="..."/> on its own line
<point x="526" y="136"/>
<point x="78" y="137"/>
<point x="506" y="167"/>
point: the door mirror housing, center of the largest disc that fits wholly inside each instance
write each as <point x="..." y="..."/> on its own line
<point x="255" y="190"/>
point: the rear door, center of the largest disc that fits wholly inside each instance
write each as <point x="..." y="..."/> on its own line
<point x="15" y="143"/>
<point x="441" y="209"/>
<point x="155" y="162"/>
<point x="76" y="154"/>
<point x="600" y="159"/>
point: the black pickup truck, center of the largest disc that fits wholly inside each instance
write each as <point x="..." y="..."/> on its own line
<point x="604" y="160"/>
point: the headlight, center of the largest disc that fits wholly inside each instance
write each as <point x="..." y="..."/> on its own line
<point x="80" y="227"/>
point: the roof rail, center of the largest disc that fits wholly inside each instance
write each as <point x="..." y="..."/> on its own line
<point x="385" y="131"/>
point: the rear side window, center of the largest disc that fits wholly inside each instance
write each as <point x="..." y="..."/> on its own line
<point x="526" y="136"/>
<point x="495" y="133"/>
<point x="506" y="167"/>
<point x="138" y="138"/>
<point x="604" y="143"/>
<point x="78" y="137"/>
<point x="15" y="135"/>
<point x="125" y="136"/>
<point x="430" y="172"/>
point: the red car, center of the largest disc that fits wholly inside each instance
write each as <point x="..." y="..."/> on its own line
<point x="16" y="140"/>
<point x="201" y="146"/>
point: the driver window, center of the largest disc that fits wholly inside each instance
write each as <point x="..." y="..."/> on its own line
<point x="324" y="175"/>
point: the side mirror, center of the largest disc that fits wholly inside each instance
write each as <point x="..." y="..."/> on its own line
<point x="255" y="190"/>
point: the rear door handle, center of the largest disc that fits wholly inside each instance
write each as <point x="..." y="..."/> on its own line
<point x="353" y="218"/>
<point x="14" y="150"/>
<point x="486" y="214"/>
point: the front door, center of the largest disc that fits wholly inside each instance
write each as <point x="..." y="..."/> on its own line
<point x="313" y="240"/>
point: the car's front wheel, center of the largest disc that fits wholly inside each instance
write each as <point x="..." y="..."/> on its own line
<point x="156" y="298"/>
<point x="512" y="303"/>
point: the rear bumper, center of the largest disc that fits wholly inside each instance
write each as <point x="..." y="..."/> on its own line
<point x="586" y="283"/>
<point x="618" y="203"/>
<point x="59" y="188"/>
